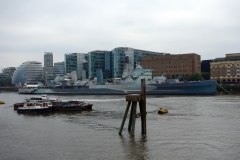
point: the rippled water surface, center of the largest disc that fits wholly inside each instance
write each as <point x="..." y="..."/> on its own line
<point x="196" y="127"/>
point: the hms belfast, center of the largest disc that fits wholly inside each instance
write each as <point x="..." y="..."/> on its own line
<point x="129" y="83"/>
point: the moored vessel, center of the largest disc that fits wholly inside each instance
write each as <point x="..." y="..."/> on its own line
<point x="129" y="83"/>
<point x="43" y="98"/>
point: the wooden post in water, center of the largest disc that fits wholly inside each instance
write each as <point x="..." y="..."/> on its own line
<point x="142" y="106"/>
<point x="133" y="99"/>
<point x="124" y="118"/>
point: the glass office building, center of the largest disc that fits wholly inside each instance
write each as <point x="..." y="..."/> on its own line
<point x="48" y="59"/>
<point x="113" y="62"/>
<point x="118" y="59"/>
<point x="59" y="69"/>
<point x="29" y="72"/>
<point x="48" y="70"/>
<point x="75" y="62"/>
<point x="139" y="54"/>
<point x="7" y="72"/>
<point x="99" y="60"/>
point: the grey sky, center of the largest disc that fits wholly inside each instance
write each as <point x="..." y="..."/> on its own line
<point x="210" y="28"/>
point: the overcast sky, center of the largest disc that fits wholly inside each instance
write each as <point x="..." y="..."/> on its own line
<point x="210" y="28"/>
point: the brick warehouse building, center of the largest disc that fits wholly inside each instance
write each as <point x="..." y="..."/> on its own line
<point x="226" y="69"/>
<point x="173" y="65"/>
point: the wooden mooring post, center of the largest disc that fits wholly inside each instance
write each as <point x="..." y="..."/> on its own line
<point x="133" y="99"/>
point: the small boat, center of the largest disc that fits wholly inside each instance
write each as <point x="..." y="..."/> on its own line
<point x="35" y="107"/>
<point x="43" y="98"/>
<point x="39" y="99"/>
<point x="71" y="105"/>
<point x="162" y="111"/>
<point x="17" y="105"/>
<point x="2" y="102"/>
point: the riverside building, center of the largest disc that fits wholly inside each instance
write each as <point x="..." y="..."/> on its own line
<point x="59" y="69"/>
<point x="99" y="60"/>
<point x="226" y="69"/>
<point x="205" y="65"/>
<point x="134" y="56"/>
<point x="48" y="70"/>
<point x="75" y="62"/>
<point x="29" y="72"/>
<point x="113" y="62"/>
<point x="7" y="72"/>
<point x="173" y="65"/>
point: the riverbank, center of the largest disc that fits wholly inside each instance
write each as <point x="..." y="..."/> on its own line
<point x="8" y="88"/>
<point x="234" y="88"/>
<point x="225" y="88"/>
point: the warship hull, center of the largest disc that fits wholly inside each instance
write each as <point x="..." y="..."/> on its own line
<point x="207" y="87"/>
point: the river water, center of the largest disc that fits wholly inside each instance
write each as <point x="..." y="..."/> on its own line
<point x="196" y="127"/>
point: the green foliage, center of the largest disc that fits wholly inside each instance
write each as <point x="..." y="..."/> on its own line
<point x="6" y="82"/>
<point x="195" y="77"/>
<point x="206" y="75"/>
<point x="183" y="78"/>
<point x="192" y="77"/>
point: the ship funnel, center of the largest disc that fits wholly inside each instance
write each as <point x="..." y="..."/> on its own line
<point x="99" y="76"/>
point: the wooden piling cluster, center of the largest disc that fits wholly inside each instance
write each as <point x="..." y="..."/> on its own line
<point x="133" y="99"/>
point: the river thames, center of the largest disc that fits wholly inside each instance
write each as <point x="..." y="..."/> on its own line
<point x="196" y="127"/>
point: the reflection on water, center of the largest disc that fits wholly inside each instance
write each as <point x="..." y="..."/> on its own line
<point x="134" y="148"/>
<point x="196" y="127"/>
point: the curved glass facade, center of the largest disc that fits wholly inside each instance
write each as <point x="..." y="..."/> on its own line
<point x="29" y="72"/>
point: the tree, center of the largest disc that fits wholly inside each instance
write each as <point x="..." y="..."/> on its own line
<point x="192" y="77"/>
<point x="195" y="77"/>
<point x="6" y="82"/>
<point x="206" y="75"/>
<point x="184" y="78"/>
